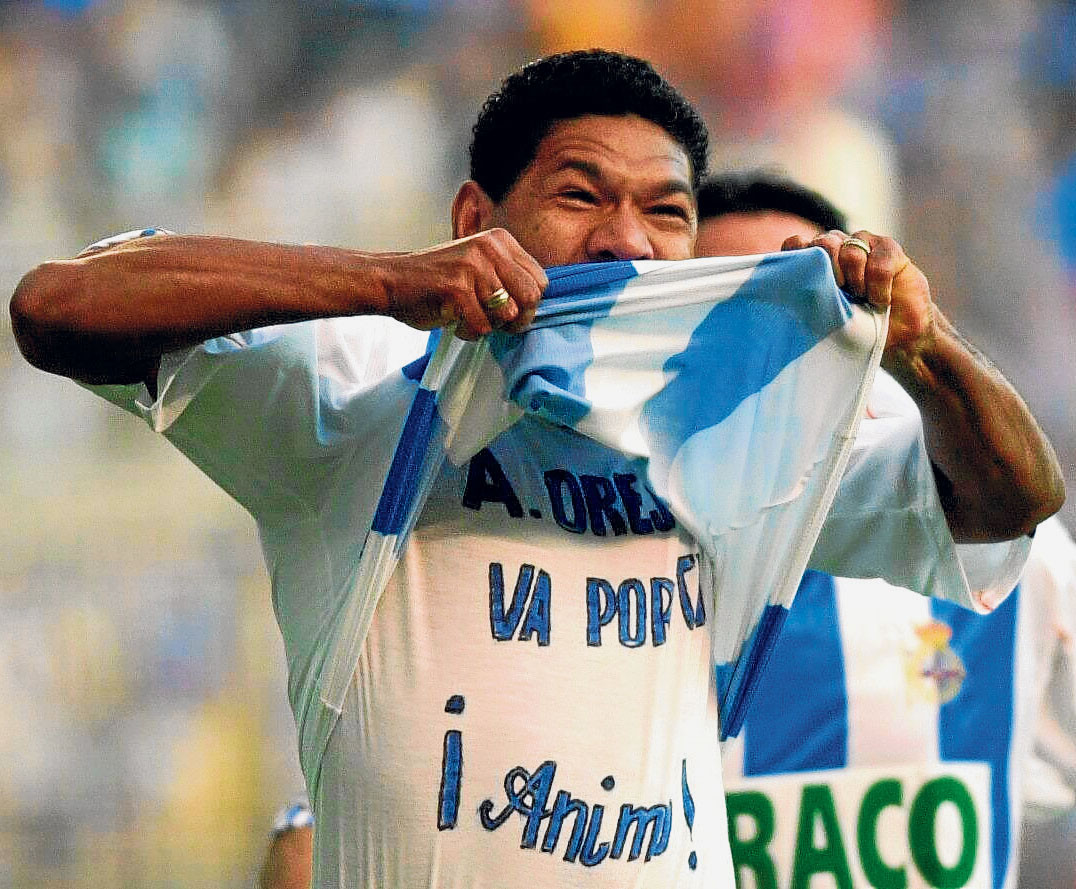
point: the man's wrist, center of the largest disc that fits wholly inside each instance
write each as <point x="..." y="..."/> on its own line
<point x="914" y="364"/>
<point x="350" y="282"/>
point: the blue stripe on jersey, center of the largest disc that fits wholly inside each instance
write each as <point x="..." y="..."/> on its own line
<point x="566" y="281"/>
<point x="548" y="368"/>
<point x="798" y="718"/>
<point x="420" y="427"/>
<point x="737" y="680"/>
<point x="977" y="724"/>
<point x="417" y="368"/>
<point x="715" y="373"/>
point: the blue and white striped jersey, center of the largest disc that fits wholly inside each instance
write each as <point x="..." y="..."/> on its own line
<point x="886" y="741"/>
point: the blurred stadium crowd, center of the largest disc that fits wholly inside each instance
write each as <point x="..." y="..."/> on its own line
<point x="144" y="734"/>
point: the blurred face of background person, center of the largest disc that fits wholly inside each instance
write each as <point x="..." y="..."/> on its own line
<point x="744" y="234"/>
<point x="741" y="214"/>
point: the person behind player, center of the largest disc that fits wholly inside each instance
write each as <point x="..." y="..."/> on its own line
<point x="903" y="700"/>
<point x="581" y="157"/>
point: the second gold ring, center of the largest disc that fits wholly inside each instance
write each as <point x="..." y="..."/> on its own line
<point x="497" y="299"/>
<point x="857" y="242"/>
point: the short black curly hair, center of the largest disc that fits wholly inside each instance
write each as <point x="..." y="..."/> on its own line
<point x="514" y="120"/>
<point x="753" y="191"/>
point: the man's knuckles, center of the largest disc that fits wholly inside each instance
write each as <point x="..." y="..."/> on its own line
<point x="880" y="273"/>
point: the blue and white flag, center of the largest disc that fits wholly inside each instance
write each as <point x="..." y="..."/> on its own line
<point x="740" y="380"/>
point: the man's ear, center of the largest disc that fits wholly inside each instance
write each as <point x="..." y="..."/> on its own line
<point x="472" y="210"/>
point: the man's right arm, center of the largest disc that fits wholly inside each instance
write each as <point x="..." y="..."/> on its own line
<point x="109" y="316"/>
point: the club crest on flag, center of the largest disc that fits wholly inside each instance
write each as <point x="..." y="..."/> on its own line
<point x="935" y="671"/>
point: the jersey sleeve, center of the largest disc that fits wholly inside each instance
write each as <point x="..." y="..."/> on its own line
<point x="887" y="519"/>
<point x="1051" y="571"/>
<point x="1049" y="775"/>
<point x="269" y="413"/>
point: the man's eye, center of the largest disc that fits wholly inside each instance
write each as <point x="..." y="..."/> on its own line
<point x="578" y="194"/>
<point x="674" y="210"/>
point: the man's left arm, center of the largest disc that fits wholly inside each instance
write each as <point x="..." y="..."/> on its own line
<point x="998" y="476"/>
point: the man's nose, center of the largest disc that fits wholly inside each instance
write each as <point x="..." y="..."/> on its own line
<point x="621" y="234"/>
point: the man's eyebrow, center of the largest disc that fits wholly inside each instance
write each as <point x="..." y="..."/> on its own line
<point x="587" y="168"/>
<point x="593" y="171"/>
<point x="675" y="186"/>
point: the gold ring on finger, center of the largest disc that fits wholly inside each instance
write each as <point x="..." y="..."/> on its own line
<point x="857" y="242"/>
<point x="498" y="299"/>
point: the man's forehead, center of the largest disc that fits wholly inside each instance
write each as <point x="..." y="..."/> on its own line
<point x="599" y="144"/>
